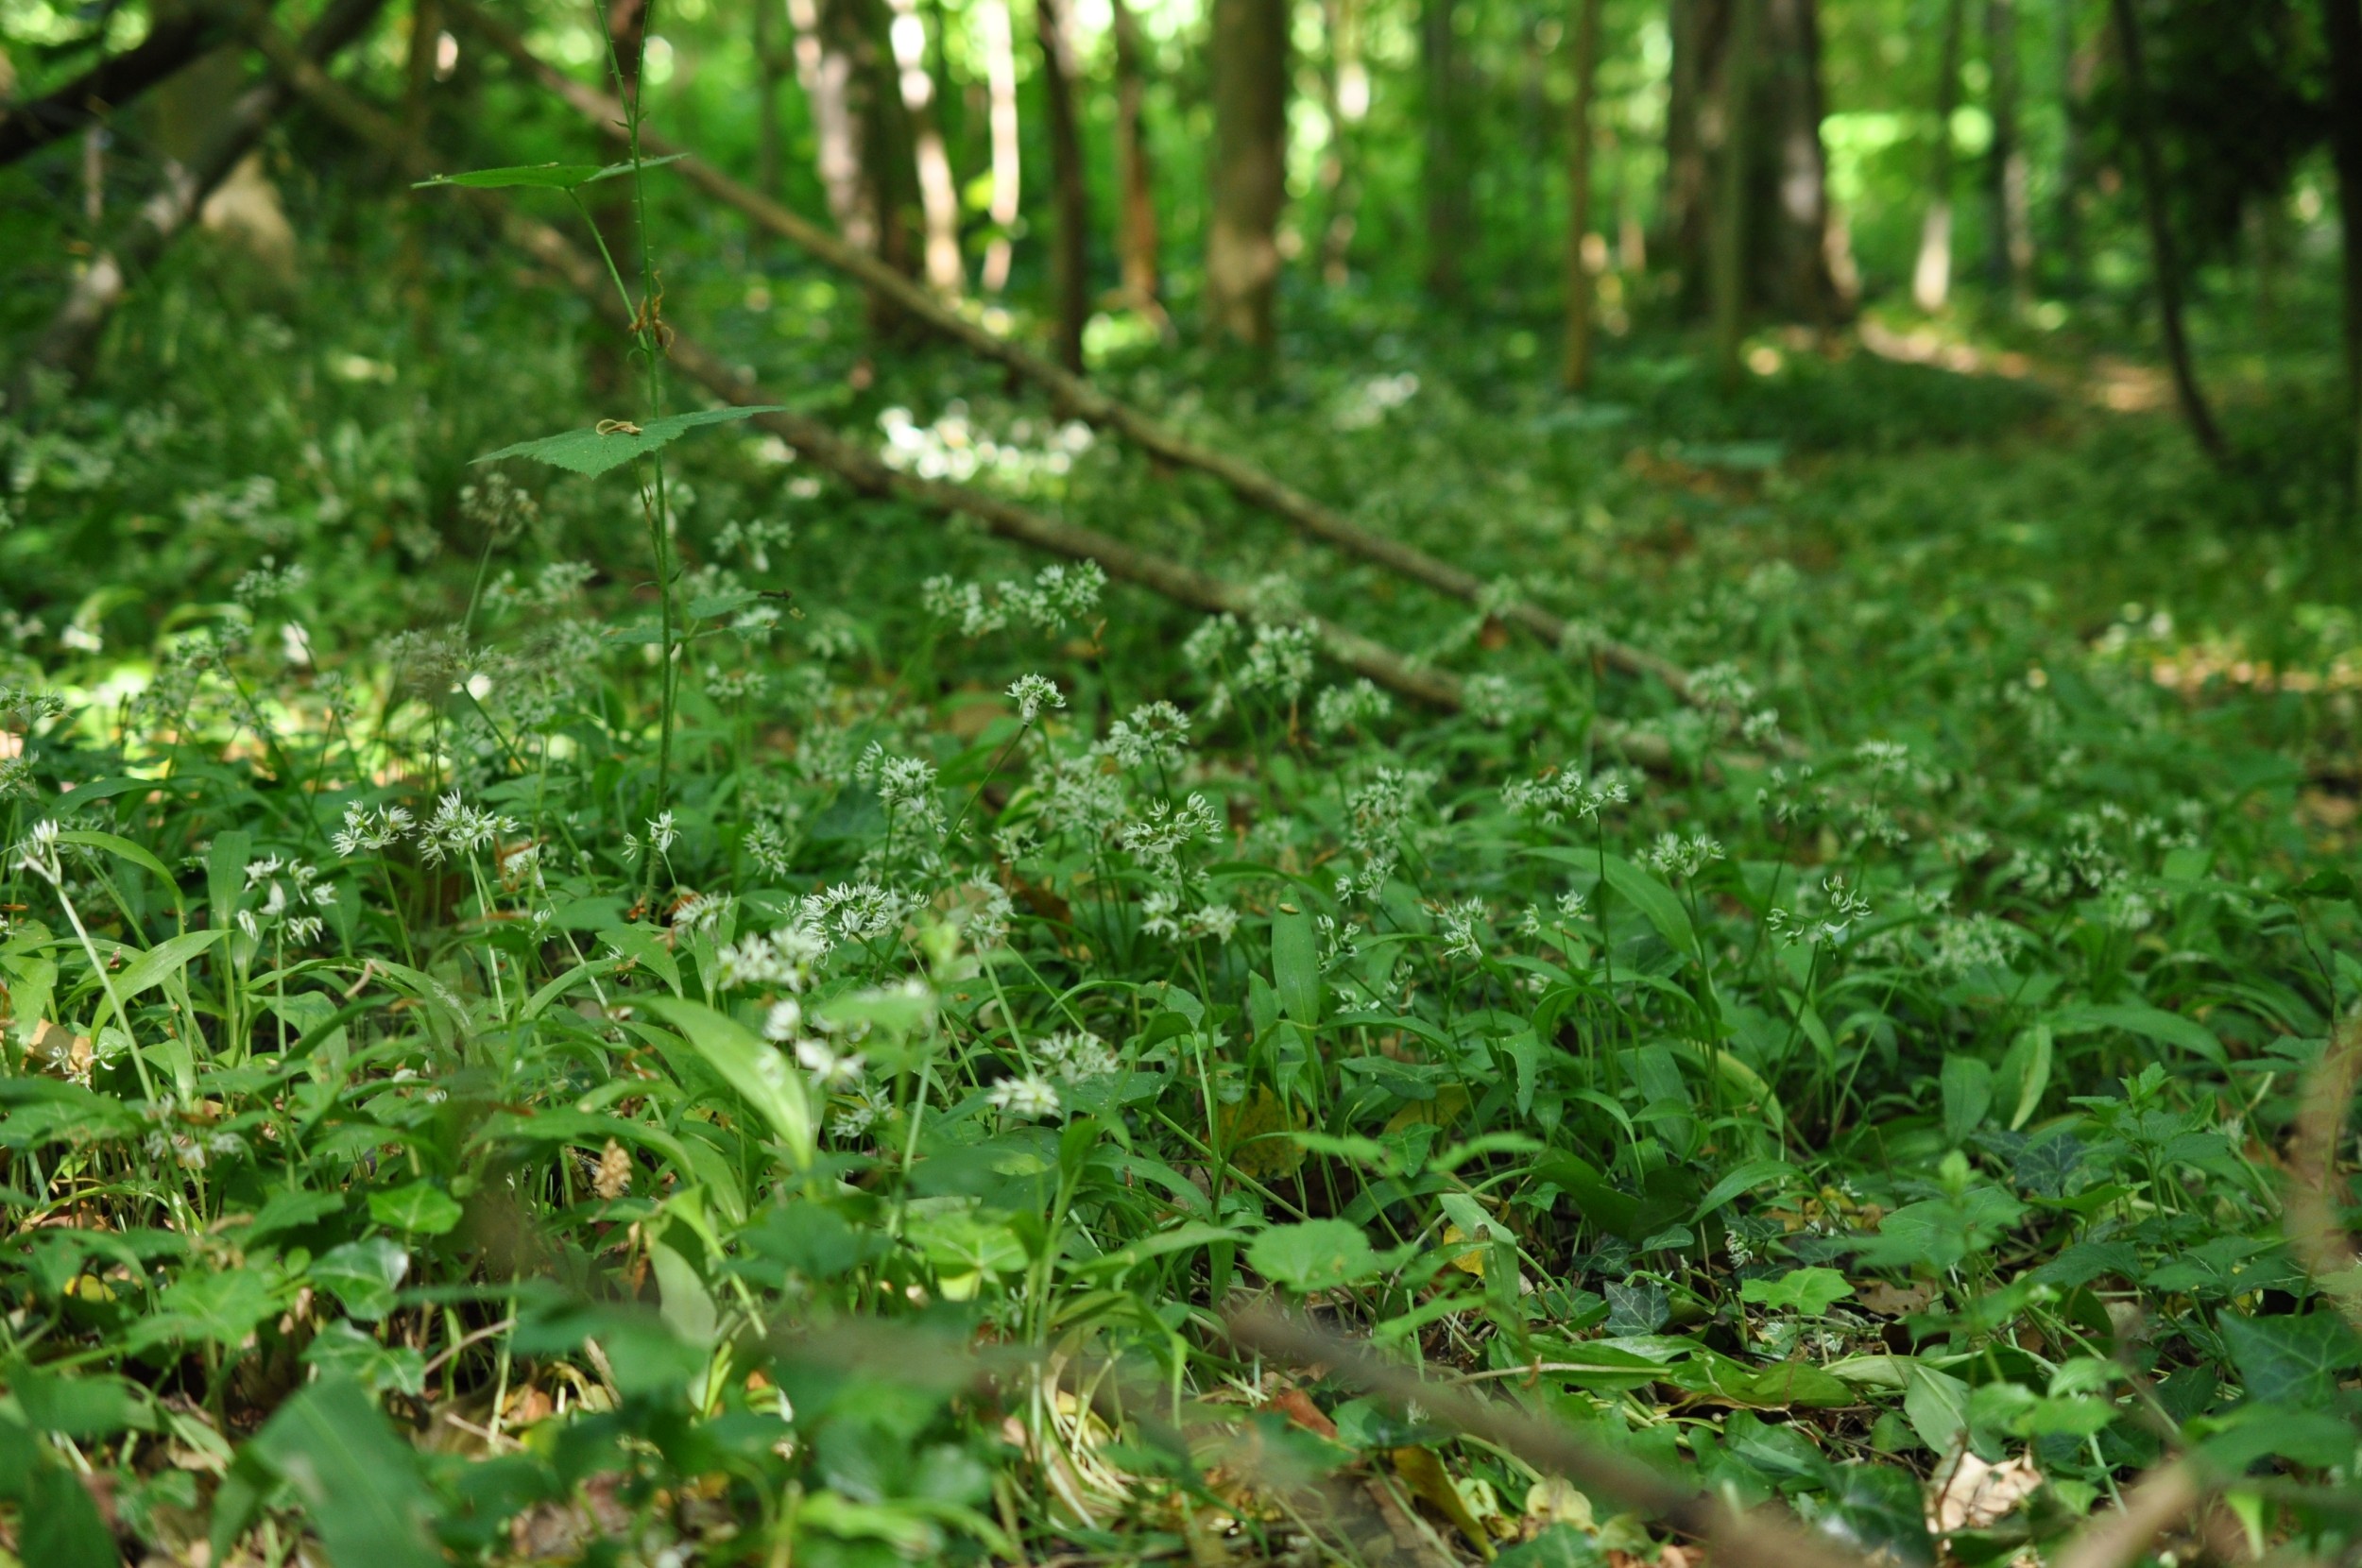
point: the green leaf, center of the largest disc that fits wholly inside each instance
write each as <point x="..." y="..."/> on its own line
<point x="1295" y="966"/>
<point x="2153" y="1023"/>
<point x="360" y="1486"/>
<point x="85" y="1405"/>
<point x="219" y="1308"/>
<point x="363" y="1275"/>
<point x="1797" y="1385"/>
<point x="1653" y="900"/>
<point x="754" y="1069"/>
<point x="543" y="176"/>
<point x="642" y="945"/>
<point x="1967" y="1088"/>
<point x="62" y="1524"/>
<point x="600" y="448"/>
<point x="685" y="1303"/>
<point x="1316" y="1254"/>
<point x="420" y="1207"/>
<point x="165" y="959"/>
<point x="1755" y="1174"/>
<point x="2290" y="1360"/>
<point x="128" y="851"/>
<point x="1807" y="1291"/>
<point x="2027" y="1066"/>
<point x="1936" y="1404"/>
<point x="341" y="1350"/>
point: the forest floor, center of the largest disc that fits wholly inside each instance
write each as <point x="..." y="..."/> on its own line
<point x="453" y="1112"/>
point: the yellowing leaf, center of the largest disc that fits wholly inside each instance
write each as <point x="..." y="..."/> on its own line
<point x="1449" y="1104"/>
<point x="1424" y="1474"/>
<point x="1553" y="1500"/>
<point x="1254" y="1133"/>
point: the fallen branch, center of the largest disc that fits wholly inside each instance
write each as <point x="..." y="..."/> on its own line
<point x="2120" y="1537"/>
<point x="1759" y="1538"/>
<point x="105" y="87"/>
<point x="1073" y="394"/>
<point x="2314" y="1194"/>
<point x="70" y="333"/>
<point x="860" y="468"/>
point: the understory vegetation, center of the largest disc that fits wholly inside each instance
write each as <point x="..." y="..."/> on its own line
<point x="690" y="1011"/>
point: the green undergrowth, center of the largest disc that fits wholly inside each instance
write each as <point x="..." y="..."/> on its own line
<point x="434" y="1133"/>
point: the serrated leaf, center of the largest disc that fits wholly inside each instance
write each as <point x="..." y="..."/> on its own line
<point x="615" y="442"/>
<point x="542" y="177"/>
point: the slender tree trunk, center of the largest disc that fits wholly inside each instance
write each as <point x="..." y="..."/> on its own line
<point x="938" y="194"/>
<point x="769" y="155"/>
<point x="1442" y="174"/>
<point x="2165" y="255"/>
<point x="426" y="27"/>
<point x="1682" y="219"/>
<point x="1931" y="280"/>
<point x="1250" y="60"/>
<point x="1729" y="286"/>
<point x="2069" y="215"/>
<point x="1580" y="287"/>
<point x="999" y="44"/>
<point x="2010" y="256"/>
<point x="1136" y="241"/>
<point x="826" y="76"/>
<point x="2341" y="28"/>
<point x="1070" y="256"/>
<point x="1347" y="84"/>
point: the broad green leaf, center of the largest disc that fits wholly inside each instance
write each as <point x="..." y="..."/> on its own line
<point x="1653" y="900"/>
<point x="363" y="1275"/>
<point x="1798" y="1385"/>
<point x="1316" y="1254"/>
<point x="2027" y="1067"/>
<point x="642" y="945"/>
<point x="2291" y="1359"/>
<point x="165" y="960"/>
<point x="614" y="443"/>
<point x="84" y="1405"/>
<point x="1809" y="1292"/>
<point x="750" y="1065"/>
<point x="2151" y="1023"/>
<point x="130" y="851"/>
<point x="1968" y="1092"/>
<point x="1295" y="964"/>
<point x="61" y="1526"/>
<point x="341" y="1350"/>
<point x="1748" y="1177"/>
<point x="422" y="1208"/>
<point x="1936" y="1404"/>
<point x="360" y="1486"/>
<point x="686" y="1304"/>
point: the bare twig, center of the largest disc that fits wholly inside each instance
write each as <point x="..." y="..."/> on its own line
<point x="1760" y="1538"/>
<point x="2118" y="1537"/>
<point x="1072" y="393"/>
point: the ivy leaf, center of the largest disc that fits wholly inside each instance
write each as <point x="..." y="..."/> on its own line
<point x="363" y="1275"/>
<point x="612" y="443"/>
<point x="1636" y="1309"/>
<point x="2290" y="1360"/>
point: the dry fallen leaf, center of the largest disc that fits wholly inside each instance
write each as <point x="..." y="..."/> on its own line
<point x="1429" y="1481"/>
<point x="1969" y="1495"/>
<point x="1297" y="1407"/>
<point x="1892" y="1301"/>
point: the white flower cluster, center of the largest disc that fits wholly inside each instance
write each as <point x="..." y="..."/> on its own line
<point x="1563" y="793"/>
<point x="1032" y="693"/>
<point x="1058" y="593"/>
<point x="1154" y="734"/>
<point x="1679" y="857"/>
<point x="369" y="828"/>
<point x="1338" y="709"/>
<point x="1077" y="1056"/>
<point x="293" y="886"/>
<point x="457" y="827"/>
<point x="1157" y="834"/>
<point x="1029" y="1098"/>
<point x="1459" y="922"/>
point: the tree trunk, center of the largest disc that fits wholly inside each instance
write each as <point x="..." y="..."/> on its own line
<point x="2165" y="255"/>
<point x="1250" y="188"/>
<point x="993" y="35"/>
<point x="769" y="157"/>
<point x="1931" y="280"/>
<point x="1135" y="214"/>
<point x="1786" y="247"/>
<point x="1443" y="175"/>
<point x="1070" y="276"/>
<point x="1346" y="81"/>
<point x="2341" y="28"/>
<point x="825" y="75"/>
<point x="1729" y="282"/>
<point x="939" y="194"/>
<point x="1580" y="289"/>
<point x="2068" y="210"/>
<point x="2010" y="256"/>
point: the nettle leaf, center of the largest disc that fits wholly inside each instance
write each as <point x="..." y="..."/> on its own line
<point x="1317" y="1254"/>
<point x="612" y="443"/>
<point x="543" y="176"/>
<point x="1807" y="1291"/>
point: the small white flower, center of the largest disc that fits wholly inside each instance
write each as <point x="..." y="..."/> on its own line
<point x="1029" y="1098"/>
<point x="786" y="1017"/>
<point x="662" y="833"/>
<point x="1032" y="693"/>
<point x="829" y="1070"/>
